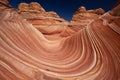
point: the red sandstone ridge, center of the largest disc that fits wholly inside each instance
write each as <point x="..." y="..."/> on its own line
<point x="35" y="11"/>
<point x="46" y="22"/>
<point x="84" y="17"/>
<point x="89" y="53"/>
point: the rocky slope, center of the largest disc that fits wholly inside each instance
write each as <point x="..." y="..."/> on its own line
<point x="83" y="17"/>
<point x="45" y="22"/>
<point x="55" y="50"/>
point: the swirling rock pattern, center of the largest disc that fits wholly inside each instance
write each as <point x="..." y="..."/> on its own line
<point x="45" y="22"/>
<point x="92" y="53"/>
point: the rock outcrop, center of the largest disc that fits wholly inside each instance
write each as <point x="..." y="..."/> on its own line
<point x="83" y="17"/>
<point x="27" y="53"/>
<point x="117" y="3"/>
<point x="4" y="4"/>
<point x="34" y="10"/>
<point x="33" y="7"/>
<point x="116" y="10"/>
<point x="42" y="20"/>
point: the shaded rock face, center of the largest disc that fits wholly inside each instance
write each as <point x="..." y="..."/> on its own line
<point x="84" y="17"/>
<point x="118" y="2"/>
<point x="116" y="11"/>
<point x="58" y="50"/>
<point x="4" y="4"/>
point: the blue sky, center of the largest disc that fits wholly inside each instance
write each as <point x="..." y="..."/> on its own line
<point x="66" y="8"/>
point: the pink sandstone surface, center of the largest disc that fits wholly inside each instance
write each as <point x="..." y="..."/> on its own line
<point x="40" y="47"/>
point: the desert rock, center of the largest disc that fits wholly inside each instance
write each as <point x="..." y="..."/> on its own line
<point x="4" y="2"/>
<point x="83" y="17"/>
<point x="39" y="18"/>
<point x="29" y="53"/>
<point x="34" y="10"/>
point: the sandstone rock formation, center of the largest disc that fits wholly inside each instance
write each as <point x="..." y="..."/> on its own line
<point x="83" y="17"/>
<point x="34" y="10"/>
<point x="118" y="2"/>
<point x="42" y="20"/>
<point x="116" y="10"/>
<point x="32" y="7"/>
<point x="91" y="53"/>
<point x="4" y="4"/>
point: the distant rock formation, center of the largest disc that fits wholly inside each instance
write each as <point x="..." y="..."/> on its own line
<point x="39" y="18"/>
<point x="32" y="7"/>
<point x="84" y="17"/>
<point x="34" y="10"/>
<point x="37" y="47"/>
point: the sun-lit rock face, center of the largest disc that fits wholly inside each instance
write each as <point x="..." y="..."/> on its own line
<point x="42" y="20"/>
<point x="34" y="9"/>
<point x="83" y="17"/>
<point x="27" y="53"/>
<point x="23" y="7"/>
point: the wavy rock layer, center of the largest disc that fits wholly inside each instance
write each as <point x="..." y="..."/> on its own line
<point x="92" y="53"/>
<point x="46" y="22"/>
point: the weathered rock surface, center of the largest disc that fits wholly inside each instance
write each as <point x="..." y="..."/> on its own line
<point x="116" y="10"/>
<point x="91" y="53"/>
<point x="34" y="10"/>
<point x="4" y="2"/>
<point x="33" y="7"/>
<point x="42" y="20"/>
<point x="118" y="2"/>
<point x="83" y="17"/>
